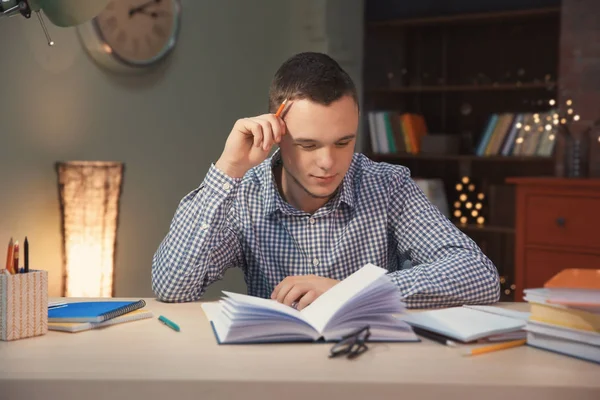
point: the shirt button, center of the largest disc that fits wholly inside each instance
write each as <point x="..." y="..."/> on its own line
<point x="312" y="221"/>
<point x="315" y="261"/>
<point x="226" y="186"/>
<point x="204" y="226"/>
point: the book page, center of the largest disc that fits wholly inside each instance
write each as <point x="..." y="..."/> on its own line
<point x="325" y="306"/>
<point x="268" y="304"/>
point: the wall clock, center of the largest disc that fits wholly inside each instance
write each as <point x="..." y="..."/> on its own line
<point x="132" y="35"/>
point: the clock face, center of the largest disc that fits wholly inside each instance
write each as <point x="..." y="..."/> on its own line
<point x="139" y="32"/>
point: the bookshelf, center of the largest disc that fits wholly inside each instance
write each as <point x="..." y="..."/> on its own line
<point x="455" y="70"/>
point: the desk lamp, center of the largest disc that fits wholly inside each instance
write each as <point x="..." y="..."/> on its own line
<point x="63" y="13"/>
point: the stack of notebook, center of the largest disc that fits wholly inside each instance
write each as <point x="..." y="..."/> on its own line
<point x="468" y="324"/>
<point x="565" y="314"/>
<point x="85" y="315"/>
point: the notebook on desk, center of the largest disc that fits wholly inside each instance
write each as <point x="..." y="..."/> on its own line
<point x="93" y="311"/>
<point x="74" y="327"/>
<point x="465" y="324"/>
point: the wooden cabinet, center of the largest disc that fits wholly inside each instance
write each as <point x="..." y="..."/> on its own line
<point x="557" y="226"/>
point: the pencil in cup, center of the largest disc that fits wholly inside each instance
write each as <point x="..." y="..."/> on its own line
<point x="495" y="347"/>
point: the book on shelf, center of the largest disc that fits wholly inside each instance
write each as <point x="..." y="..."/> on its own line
<point x="519" y="134"/>
<point x="565" y="314"/>
<point x="394" y="132"/>
<point x="367" y="297"/>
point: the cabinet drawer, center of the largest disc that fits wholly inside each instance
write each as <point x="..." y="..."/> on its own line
<point x="541" y="265"/>
<point x="563" y="220"/>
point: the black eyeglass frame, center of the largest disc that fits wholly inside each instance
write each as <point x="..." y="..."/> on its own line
<point x="353" y="344"/>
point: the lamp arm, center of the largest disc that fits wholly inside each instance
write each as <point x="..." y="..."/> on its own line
<point x="62" y="13"/>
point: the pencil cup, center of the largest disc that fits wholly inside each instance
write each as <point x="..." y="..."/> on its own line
<point x="23" y="305"/>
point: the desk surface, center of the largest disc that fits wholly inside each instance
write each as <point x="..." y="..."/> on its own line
<point x="147" y="360"/>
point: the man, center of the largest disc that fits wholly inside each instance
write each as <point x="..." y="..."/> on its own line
<point x="314" y="212"/>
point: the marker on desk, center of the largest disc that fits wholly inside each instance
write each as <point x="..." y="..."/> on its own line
<point x="169" y="323"/>
<point x="436" y="337"/>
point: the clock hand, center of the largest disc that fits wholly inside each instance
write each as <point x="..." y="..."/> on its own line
<point x="142" y="7"/>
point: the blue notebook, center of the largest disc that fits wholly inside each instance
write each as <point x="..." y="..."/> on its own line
<point x="93" y="311"/>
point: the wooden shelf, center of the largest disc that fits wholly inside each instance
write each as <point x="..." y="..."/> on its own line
<point x="464" y="88"/>
<point x="472" y="228"/>
<point x="458" y="157"/>
<point x="462" y="18"/>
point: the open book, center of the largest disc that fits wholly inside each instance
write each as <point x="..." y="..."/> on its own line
<point x="367" y="297"/>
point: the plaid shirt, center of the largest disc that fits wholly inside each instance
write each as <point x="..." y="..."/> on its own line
<point x="379" y="215"/>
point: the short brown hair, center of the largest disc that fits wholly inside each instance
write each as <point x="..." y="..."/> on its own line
<point x="313" y="76"/>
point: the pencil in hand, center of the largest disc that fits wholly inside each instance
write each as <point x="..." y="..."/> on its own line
<point x="281" y="108"/>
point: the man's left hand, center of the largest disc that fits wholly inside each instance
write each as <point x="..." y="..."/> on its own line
<point x="303" y="289"/>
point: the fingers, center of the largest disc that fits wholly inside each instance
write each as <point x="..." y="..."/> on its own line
<point x="281" y="284"/>
<point x="307" y="299"/>
<point x="273" y="129"/>
<point x="266" y="130"/>
<point x="294" y="294"/>
<point x="257" y="133"/>
<point x="283" y="291"/>
<point x="268" y="134"/>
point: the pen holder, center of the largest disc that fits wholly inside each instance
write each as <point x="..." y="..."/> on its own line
<point x="23" y="305"/>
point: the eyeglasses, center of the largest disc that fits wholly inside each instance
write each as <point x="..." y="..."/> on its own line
<point x="352" y="345"/>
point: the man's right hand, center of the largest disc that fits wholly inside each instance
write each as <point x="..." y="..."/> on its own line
<point x="249" y="143"/>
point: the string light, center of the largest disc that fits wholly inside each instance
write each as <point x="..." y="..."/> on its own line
<point x="469" y="206"/>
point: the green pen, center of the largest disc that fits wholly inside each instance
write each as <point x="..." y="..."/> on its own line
<point x="169" y="323"/>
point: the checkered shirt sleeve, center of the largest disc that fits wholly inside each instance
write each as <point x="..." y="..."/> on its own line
<point x="202" y="241"/>
<point x="447" y="267"/>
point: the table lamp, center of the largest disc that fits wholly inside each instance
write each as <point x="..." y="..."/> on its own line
<point x="89" y="194"/>
<point x="63" y="13"/>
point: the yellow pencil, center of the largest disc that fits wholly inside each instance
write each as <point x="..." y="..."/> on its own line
<point x="495" y="347"/>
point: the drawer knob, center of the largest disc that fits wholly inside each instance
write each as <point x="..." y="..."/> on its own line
<point x="560" y="221"/>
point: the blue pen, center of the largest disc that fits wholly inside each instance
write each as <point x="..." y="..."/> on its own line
<point x="169" y="323"/>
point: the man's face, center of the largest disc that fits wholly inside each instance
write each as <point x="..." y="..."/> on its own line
<point x="318" y="147"/>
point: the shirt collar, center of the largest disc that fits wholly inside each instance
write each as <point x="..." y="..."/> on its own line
<point x="273" y="200"/>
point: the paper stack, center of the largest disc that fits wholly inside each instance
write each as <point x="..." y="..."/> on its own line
<point x="565" y="314"/>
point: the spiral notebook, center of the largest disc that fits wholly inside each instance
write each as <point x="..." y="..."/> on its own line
<point x="93" y="311"/>
<point x="73" y="327"/>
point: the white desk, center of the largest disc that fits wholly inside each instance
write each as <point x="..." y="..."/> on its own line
<point x="147" y="360"/>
